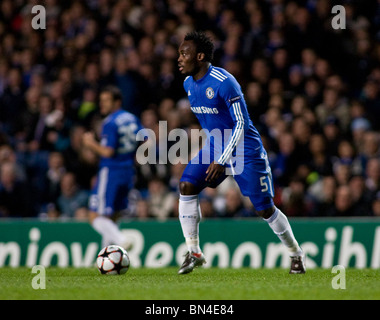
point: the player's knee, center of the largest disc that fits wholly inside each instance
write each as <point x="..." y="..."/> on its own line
<point x="266" y="213"/>
<point x="92" y="215"/>
<point x="186" y="188"/>
<point x="264" y="206"/>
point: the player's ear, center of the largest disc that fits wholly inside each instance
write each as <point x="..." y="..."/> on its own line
<point x="200" y="56"/>
<point x="118" y="103"/>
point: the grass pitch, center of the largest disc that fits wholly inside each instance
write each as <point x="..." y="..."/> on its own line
<point x="202" y="284"/>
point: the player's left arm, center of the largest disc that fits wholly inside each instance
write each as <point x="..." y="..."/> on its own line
<point x="233" y="98"/>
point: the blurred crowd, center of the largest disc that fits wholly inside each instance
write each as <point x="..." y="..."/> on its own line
<point x="313" y="93"/>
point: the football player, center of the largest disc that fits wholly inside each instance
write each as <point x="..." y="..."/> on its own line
<point x="217" y="100"/>
<point x="115" y="178"/>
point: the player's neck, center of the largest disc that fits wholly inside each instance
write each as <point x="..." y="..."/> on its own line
<point x="202" y="71"/>
<point x="115" y="109"/>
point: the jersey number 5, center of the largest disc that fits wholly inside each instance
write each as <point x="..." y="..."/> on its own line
<point x="266" y="184"/>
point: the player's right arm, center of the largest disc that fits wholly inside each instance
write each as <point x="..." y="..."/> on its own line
<point x="90" y="142"/>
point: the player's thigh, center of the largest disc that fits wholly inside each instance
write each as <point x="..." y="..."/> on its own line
<point x="256" y="182"/>
<point x="195" y="171"/>
<point x="111" y="191"/>
<point x="121" y="182"/>
<point x="120" y="197"/>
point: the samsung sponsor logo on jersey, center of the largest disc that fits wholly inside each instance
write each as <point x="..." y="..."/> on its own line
<point x="205" y="110"/>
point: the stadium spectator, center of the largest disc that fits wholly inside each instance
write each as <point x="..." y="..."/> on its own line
<point x="142" y="210"/>
<point x="15" y="198"/>
<point x="7" y="154"/>
<point x="333" y="134"/>
<point x="71" y="198"/>
<point x="332" y="105"/>
<point x="12" y="102"/>
<point x="343" y="204"/>
<point x="160" y="199"/>
<point x="51" y="184"/>
<point x="301" y="133"/>
<point x="82" y="162"/>
<point x="295" y="199"/>
<point x="373" y="174"/>
<point x="320" y="162"/>
<point x="370" y="146"/>
<point x="342" y="173"/>
<point x="346" y="153"/>
<point x="323" y="192"/>
<point x="285" y="161"/>
<point x="206" y="205"/>
<point x="234" y="205"/>
<point x="361" y="196"/>
<point x="376" y="205"/>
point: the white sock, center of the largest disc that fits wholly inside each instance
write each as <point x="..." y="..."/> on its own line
<point x="109" y="231"/>
<point x="189" y="217"/>
<point x="281" y="227"/>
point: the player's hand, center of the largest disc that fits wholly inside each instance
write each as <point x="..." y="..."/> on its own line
<point x="214" y="171"/>
<point x="88" y="139"/>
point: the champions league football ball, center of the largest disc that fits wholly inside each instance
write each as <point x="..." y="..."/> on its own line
<point x="113" y="260"/>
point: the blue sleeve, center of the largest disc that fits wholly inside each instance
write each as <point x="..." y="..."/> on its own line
<point x="230" y="91"/>
<point x="233" y="97"/>
<point x="110" y="136"/>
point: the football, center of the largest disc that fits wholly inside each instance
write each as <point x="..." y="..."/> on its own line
<point x="113" y="260"/>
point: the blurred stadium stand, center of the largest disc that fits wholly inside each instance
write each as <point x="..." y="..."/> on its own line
<point x="312" y="91"/>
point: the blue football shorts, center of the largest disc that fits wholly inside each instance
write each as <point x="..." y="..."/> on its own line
<point x="254" y="178"/>
<point x="110" y="193"/>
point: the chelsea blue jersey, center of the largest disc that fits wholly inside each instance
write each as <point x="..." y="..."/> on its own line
<point x="119" y="132"/>
<point x="218" y="102"/>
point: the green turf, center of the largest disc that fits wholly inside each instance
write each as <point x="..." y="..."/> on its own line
<point x="164" y="283"/>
